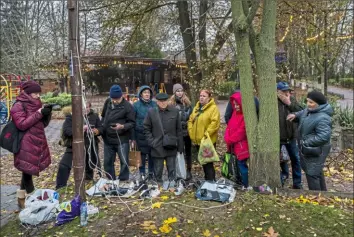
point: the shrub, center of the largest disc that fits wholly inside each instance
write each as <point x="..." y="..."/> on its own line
<point x="63" y="99"/>
<point x="344" y="82"/>
<point x="345" y="117"/>
<point x="227" y="88"/>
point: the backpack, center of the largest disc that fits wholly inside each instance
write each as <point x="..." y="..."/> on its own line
<point x="230" y="169"/>
<point x="11" y="136"/>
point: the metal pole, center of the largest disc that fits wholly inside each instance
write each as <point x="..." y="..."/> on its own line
<point x="76" y="98"/>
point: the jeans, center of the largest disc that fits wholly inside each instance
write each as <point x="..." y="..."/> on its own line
<point x="293" y="152"/>
<point x="142" y="168"/>
<point x="110" y="152"/>
<point x="171" y="167"/>
<point x="27" y="183"/>
<point x="243" y="167"/>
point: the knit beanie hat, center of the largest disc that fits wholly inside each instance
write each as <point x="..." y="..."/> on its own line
<point x="177" y="87"/>
<point x="318" y="97"/>
<point x="31" y="87"/>
<point x="115" y="92"/>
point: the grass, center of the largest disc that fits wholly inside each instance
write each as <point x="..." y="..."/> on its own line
<point x="250" y="215"/>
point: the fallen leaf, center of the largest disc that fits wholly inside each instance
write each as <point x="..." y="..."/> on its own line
<point x="165" y="229"/>
<point x="164" y="198"/>
<point x="259" y="228"/>
<point x="170" y="220"/>
<point x="206" y="233"/>
<point x="270" y="233"/>
<point x="156" y="205"/>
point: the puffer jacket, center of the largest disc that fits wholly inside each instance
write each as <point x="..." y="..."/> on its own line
<point x="235" y="133"/>
<point x="141" y="109"/>
<point x="315" y="131"/>
<point x="204" y="119"/>
<point x="34" y="155"/>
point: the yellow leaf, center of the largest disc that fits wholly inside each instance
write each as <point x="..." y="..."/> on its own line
<point x="178" y="235"/>
<point x="170" y="220"/>
<point x="216" y="236"/>
<point x="164" y="198"/>
<point x="206" y="233"/>
<point x="105" y="207"/>
<point x="155" y="232"/>
<point x="266" y="215"/>
<point x="165" y="229"/>
<point x="156" y="205"/>
<point x="190" y="222"/>
<point x="259" y="228"/>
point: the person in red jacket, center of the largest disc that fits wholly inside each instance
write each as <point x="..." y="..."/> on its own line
<point x="236" y="138"/>
<point x="29" y="116"/>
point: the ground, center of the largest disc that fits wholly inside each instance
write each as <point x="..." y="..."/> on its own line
<point x="250" y="215"/>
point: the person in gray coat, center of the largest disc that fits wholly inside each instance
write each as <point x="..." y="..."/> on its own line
<point x="163" y="131"/>
<point x="314" y="138"/>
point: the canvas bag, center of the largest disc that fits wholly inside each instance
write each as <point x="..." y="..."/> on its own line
<point x="134" y="157"/>
<point x="11" y="136"/>
<point x="207" y="152"/>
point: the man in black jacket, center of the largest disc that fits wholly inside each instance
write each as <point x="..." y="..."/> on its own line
<point x="118" y="120"/>
<point x="288" y="132"/>
<point x="163" y="131"/>
<point x="92" y="123"/>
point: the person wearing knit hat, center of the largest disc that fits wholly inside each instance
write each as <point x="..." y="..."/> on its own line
<point x="317" y="97"/>
<point x="315" y="127"/>
<point x="29" y="116"/>
<point x="180" y="101"/>
<point x="118" y="118"/>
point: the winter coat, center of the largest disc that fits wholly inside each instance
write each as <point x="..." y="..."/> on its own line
<point x="122" y="113"/>
<point x="171" y="124"/>
<point x="235" y="133"/>
<point x="229" y="110"/>
<point x="67" y="132"/>
<point x="204" y="119"/>
<point x="141" y="109"/>
<point x="315" y="131"/>
<point x="93" y="119"/>
<point x="184" y="112"/>
<point x="34" y="155"/>
<point x="287" y="129"/>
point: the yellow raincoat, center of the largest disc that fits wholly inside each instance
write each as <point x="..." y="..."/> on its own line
<point x="206" y="119"/>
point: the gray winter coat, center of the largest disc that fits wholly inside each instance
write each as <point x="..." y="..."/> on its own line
<point x="171" y="124"/>
<point x="315" y="132"/>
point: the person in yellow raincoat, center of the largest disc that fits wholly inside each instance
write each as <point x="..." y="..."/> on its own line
<point x="204" y="119"/>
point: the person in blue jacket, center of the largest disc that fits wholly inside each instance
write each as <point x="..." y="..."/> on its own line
<point x="315" y="129"/>
<point x="141" y="108"/>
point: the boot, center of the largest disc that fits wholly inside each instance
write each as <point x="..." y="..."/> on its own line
<point x="189" y="175"/>
<point x="21" y="196"/>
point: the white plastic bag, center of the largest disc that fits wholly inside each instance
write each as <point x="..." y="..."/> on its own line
<point x="181" y="172"/>
<point x="40" y="207"/>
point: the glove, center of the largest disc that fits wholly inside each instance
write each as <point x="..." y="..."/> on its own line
<point x="46" y="111"/>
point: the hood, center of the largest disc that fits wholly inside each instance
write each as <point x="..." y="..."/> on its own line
<point x="141" y="90"/>
<point x="236" y="97"/>
<point x="24" y="97"/>
<point x="325" y="108"/>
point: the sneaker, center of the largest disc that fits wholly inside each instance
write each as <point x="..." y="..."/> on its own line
<point x="180" y="188"/>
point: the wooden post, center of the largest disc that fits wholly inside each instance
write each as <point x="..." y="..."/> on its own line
<point x="76" y="97"/>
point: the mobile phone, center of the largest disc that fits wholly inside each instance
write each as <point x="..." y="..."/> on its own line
<point x="113" y="125"/>
<point x="49" y="106"/>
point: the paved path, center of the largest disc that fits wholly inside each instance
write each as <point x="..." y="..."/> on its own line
<point x="348" y="95"/>
<point x="8" y="202"/>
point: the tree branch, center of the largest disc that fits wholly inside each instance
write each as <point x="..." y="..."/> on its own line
<point x="253" y="11"/>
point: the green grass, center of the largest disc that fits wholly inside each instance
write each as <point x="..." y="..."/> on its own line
<point x="249" y="215"/>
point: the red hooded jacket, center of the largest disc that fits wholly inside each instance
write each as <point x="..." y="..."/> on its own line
<point x="235" y="134"/>
<point x="34" y="155"/>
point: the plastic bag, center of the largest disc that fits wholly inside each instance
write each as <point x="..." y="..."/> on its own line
<point x="207" y="152"/>
<point x="216" y="191"/>
<point x="284" y="156"/>
<point x="40" y="207"/>
<point x="181" y="172"/>
<point x="65" y="216"/>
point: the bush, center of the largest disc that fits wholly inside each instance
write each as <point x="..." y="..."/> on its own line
<point x="63" y="99"/>
<point x="345" y="117"/>
<point x="227" y="88"/>
<point x="344" y="82"/>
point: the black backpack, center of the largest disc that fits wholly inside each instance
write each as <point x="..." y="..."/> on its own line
<point x="11" y="136"/>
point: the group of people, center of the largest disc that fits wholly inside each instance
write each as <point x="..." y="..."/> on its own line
<point x="162" y="127"/>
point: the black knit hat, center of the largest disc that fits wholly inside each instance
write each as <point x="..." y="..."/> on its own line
<point x="318" y="97"/>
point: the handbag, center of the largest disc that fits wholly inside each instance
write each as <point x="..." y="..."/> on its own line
<point x="230" y="168"/>
<point x="134" y="157"/>
<point x="168" y="141"/>
<point x="11" y="136"/>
